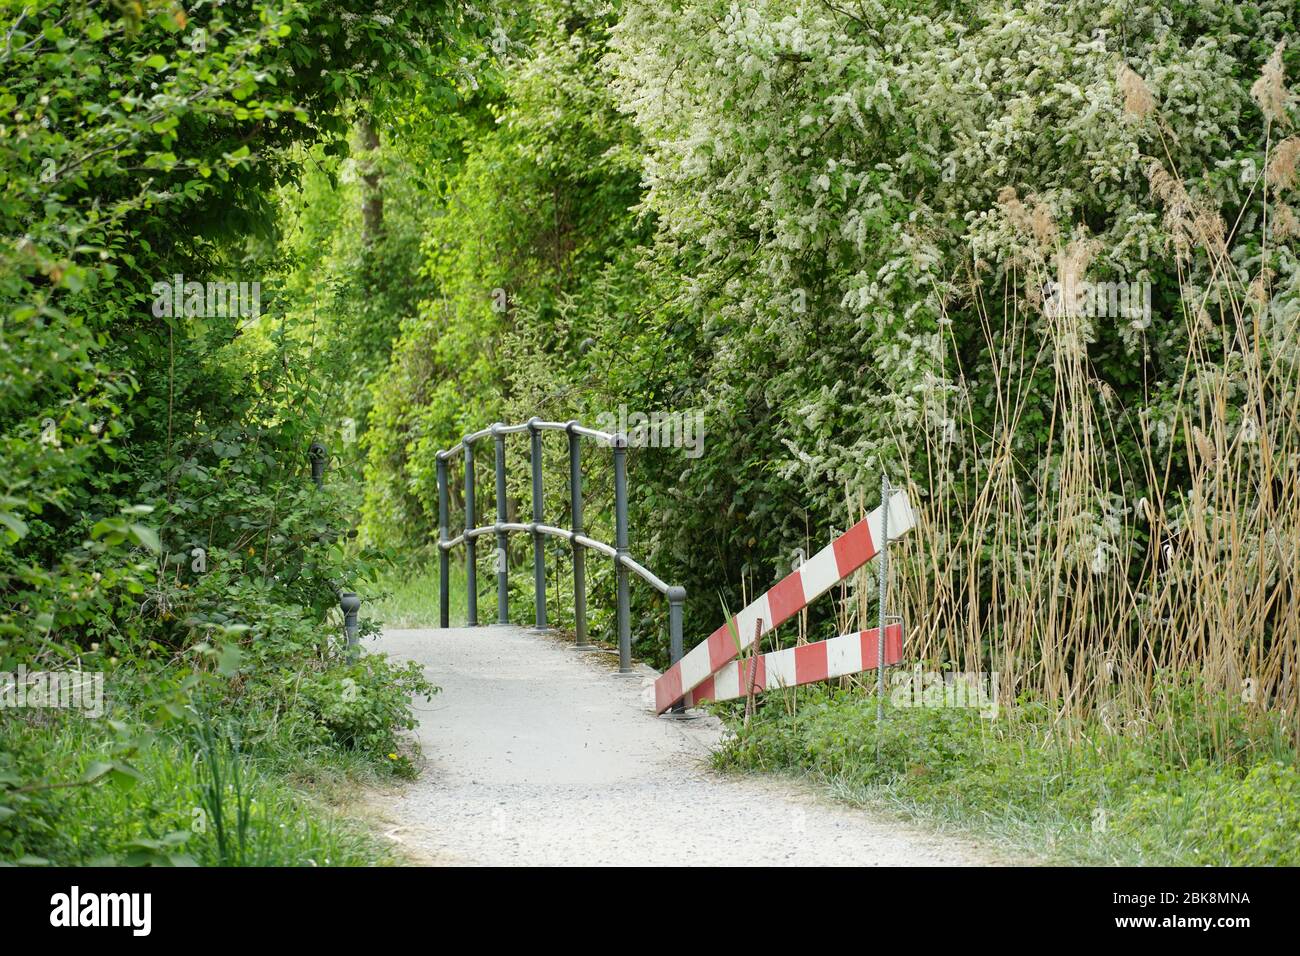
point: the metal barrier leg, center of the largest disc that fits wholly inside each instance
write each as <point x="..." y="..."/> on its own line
<point x="883" y="572"/>
<point x="579" y="553"/>
<point x="444" y="570"/>
<point x="471" y="546"/>
<point x="539" y="545"/>
<point x="502" y="558"/>
<point x="620" y="547"/>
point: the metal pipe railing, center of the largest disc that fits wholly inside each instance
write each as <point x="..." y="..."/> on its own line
<point x="579" y="553"/>
<point x="444" y="589"/>
<point x="502" y="556"/>
<point x="539" y="544"/>
<point x="623" y="610"/>
<point x="539" y="530"/>
<point x="572" y="427"/>
<point x="471" y="546"/>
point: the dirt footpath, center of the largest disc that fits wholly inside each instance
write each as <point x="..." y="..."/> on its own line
<point x="536" y="754"/>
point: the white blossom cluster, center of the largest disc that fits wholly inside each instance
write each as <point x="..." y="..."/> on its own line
<point x="905" y="171"/>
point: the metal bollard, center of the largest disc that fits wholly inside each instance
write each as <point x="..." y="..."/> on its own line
<point x="579" y="553"/>
<point x="502" y="558"/>
<point x="676" y="602"/>
<point x="350" y="604"/>
<point x="471" y="549"/>
<point x="883" y="572"/>
<point x="620" y="548"/>
<point x="539" y="543"/>
<point x="316" y="453"/>
<point x="444" y="569"/>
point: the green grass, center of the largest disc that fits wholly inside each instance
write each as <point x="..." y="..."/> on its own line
<point x="408" y="596"/>
<point x="241" y="766"/>
<point x="1104" y="799"/>
<point x="194" y="801"/>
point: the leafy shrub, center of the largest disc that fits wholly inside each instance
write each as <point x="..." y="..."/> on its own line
<point x="157" y="518"/>
<point x="364" y="705"/>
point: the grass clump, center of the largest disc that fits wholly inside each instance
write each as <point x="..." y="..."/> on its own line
<point x="191" y="796"/>
<point x="230" y="762"/>
<point x="1081" y="795"/>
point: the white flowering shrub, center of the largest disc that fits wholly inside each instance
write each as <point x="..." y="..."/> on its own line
<point x="918" y="174"/>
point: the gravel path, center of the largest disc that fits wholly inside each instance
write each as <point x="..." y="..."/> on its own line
<point x="541" y="755"/>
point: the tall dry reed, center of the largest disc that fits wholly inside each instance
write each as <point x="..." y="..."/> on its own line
<point x="1148" y="557"/>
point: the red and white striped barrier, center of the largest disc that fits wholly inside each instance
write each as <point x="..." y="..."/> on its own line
<point x="784" y="600"/>
<point x="807" y="664"/>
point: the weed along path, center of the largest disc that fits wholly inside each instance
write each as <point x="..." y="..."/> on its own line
<point x="536" y="754"/>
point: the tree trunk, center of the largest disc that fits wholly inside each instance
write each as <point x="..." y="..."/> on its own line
<point x="372" y="201"/>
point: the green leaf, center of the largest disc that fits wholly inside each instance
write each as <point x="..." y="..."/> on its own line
<point x="109" y="528"/>
<point x="230" y="659"/>
<point x="123" y="776"/>
<point x="147" y="537"/>
<point x="96" y="771"/>
<point x="17" y="527"/>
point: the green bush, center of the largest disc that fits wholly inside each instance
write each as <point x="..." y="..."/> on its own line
<point x="364" y="705"/>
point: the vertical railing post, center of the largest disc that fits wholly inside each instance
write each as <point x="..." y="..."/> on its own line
<point x="579" y="553"/>
<point x="350" y="605"/>
<point x="883" y="572"/>
<point x="620" y="547"/>
<point x="444" y="570"/>
<point x="471" y="544"/>
<point x="502" y="556"/>
<point x="539" y="544"/>
<point x="316" y="454"/>
<point x="676" y="602"/>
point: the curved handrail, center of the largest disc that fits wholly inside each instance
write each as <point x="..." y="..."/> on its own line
<point x="637" y="568"/>
<point x="573" y="427"/>
<point x="576" y="536"/>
